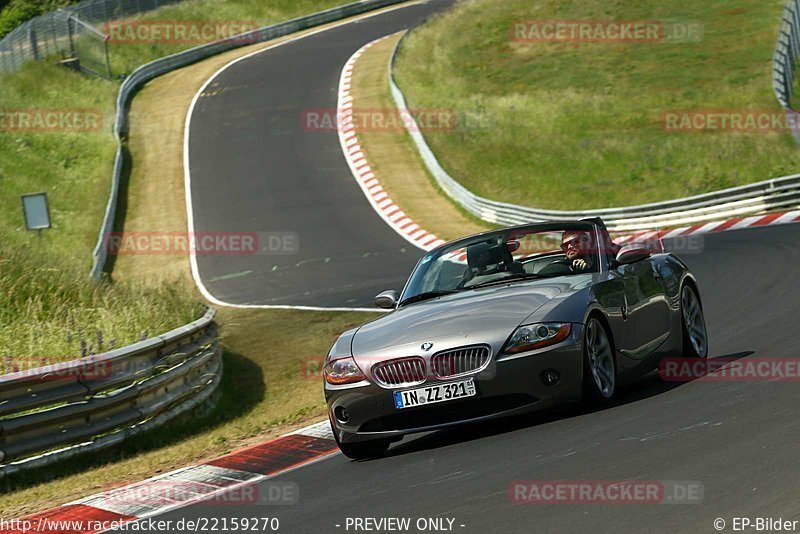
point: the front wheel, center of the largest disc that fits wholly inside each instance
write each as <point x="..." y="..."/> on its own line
<point x="695" y="335"/>
<point x="600" y="372"/>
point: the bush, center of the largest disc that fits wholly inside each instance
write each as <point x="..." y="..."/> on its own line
<point x="15" y="12"/>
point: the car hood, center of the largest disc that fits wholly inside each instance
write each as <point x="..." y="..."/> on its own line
<point x="487" y="315"/>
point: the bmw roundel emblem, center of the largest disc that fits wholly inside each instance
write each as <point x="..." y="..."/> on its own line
<point x="427" y="346"/>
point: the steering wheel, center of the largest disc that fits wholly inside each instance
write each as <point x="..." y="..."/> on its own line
<point x="557" y="268"/>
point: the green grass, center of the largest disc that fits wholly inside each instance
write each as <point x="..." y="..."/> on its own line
<point x="126" y="56"/>
<point x="49" y="306"/>
<point x="265" y="389"/>
<point x="579" y="126"/>
<point x="74" y="168"/>
<point x="51" y="311"/>
<point x="55" y="313"/>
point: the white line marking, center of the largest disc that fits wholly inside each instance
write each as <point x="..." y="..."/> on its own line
<point x="675" y="232"/>
<point x="365" y="178"/>
<point x="787" y="217"/>
<point x="188" y="177"/>
<point x="708" y="227"/>
<point x="746" y="222"/>
<point x="317" y="430"/>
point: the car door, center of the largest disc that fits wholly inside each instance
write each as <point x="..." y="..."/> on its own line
<point x="646" y="313"/>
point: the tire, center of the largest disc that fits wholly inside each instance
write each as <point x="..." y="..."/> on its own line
<point x="693" y="324"/>
<point x="599" y="364"/>
<point x="365" y="450"/>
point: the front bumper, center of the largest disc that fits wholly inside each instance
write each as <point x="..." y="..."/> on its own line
<point x="511" y="384"/>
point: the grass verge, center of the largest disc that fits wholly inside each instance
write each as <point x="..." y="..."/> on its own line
<point x="73" y="165"/>
<point x="393" y="157"/>
<point x="265" y="390"/>
<point x="51" y="312"/>
<point x="127" y="51"/>
<point x="578" y="126"/>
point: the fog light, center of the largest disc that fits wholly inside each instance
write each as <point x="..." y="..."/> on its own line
<point x="342" y="415"/>
<point x="551" y="377"/>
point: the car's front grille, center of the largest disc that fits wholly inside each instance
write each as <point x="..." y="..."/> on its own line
<point x="461" y="361"/>
<point x="401" y="372"/>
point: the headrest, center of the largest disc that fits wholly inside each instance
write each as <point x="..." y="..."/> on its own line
<point x="481" y="255"/>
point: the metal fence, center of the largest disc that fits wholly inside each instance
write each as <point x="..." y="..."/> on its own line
<point x="786" y="53"/>
<point x="156" y="68"/>
<point x="58" y="411"/>
<point x="784" y="61"/>
<point x="777" y="193"/>
<point x="70" y="32"/>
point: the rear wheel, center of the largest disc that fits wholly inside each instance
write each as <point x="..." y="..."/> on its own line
<point x="695" y="335"/>
<point x="600" y="371"/>
<point x="364" y="450"/>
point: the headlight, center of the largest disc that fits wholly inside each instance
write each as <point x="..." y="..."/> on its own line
<point x="343" y="371"/>
<point x="536" y="336"/>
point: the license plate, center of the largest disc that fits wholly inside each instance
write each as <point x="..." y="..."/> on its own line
<point x="433" y="394"/>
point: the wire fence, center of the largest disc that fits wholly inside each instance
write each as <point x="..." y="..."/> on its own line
<point x="70" y="33"/>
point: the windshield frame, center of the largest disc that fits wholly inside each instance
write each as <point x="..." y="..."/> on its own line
<point x="601" y="238"/>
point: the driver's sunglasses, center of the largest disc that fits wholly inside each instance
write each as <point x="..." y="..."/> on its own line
<point x="575" y="242"/>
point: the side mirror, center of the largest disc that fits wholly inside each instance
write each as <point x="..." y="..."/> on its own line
<point x="632" y="254"/>
<point x="387" y="299"/>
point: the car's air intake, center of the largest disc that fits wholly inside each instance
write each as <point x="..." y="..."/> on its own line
<point x="402" y="372"/>
<point x="460" y="361"/>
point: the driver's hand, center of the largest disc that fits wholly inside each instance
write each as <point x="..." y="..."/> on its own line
<point x="579" y="265"/>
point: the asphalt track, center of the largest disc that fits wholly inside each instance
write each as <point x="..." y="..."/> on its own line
<point x="257" y="166"/>
<point x="739" y="439"/>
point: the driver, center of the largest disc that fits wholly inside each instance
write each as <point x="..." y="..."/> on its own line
<point x="577" y="245"/>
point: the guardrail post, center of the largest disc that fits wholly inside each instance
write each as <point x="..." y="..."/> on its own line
<point x="32" y="40"/>
<point x="72" y="52"/>
<point x="787" y="51"/>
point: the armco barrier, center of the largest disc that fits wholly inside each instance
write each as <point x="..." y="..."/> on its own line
<point x="787" y="50"/>
<point x="53" y="412"/>
<point x="778" y="193"/>
<point x="156" y="68"/>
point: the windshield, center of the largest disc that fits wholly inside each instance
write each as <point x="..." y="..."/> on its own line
<point x="509" y="255"/>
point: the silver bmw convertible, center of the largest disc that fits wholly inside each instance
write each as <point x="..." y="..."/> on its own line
<point x="510" y="321"/>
